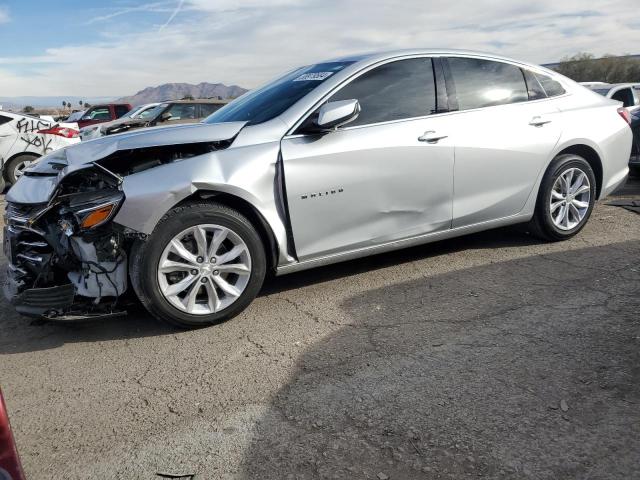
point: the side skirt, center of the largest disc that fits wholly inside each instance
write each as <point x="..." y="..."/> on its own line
<point x="405" y="243"/>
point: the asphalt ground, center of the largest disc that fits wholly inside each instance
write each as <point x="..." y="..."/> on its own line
<point x="488" y="356"/>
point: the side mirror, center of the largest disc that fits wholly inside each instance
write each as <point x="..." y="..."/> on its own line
<point x="335" y="114"/>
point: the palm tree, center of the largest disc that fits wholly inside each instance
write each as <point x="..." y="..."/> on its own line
<point x="81" y="103"/>
<point x="64" y="104"/>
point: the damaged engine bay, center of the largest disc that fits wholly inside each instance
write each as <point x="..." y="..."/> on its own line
<point x="67" y="258"/>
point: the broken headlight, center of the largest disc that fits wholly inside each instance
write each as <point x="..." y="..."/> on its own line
<point x="93" y="209"/>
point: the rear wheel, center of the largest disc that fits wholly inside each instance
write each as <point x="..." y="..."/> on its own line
<point x="203" y="264"/>
<point x="565" y="200"/>
<point x="15" y="167"/>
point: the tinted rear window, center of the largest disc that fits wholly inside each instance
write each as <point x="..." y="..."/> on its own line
<point x="4" y="119"/>
<point x="534" y="89"/>
<point x="551" y="87"/>
<point x="485" y="83"/>
<point x="393" y="91"/>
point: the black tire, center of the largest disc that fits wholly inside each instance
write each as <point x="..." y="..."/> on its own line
<point x="542" y="224"/>
<point x="146" y="255"/>
<point x="10" y="166"/>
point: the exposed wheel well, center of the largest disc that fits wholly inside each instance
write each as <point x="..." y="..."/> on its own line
<point x="249" y="211"/>
<point x="592" y="157"/>
<point x="7" y="161"/>
<point x="19" y="154"/>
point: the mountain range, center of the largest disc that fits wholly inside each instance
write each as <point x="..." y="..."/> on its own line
<point x="167" y="91"/>
<point x="176" y="91"/>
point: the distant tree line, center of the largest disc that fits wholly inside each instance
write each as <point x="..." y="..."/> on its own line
<point x="585" y="67"/>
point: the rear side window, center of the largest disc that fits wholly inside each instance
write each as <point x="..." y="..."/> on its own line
<point x="393" y="91"/>
<point x="485" y="83"/>
<point x="4" y="119"/>
<point x="551" y="87"/>
<point x="121" y="110"/>
<point x="534" y="89"/>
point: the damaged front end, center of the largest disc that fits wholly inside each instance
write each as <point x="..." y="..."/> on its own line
<point x="68" y="230"/>
<point x="66" y="258"/>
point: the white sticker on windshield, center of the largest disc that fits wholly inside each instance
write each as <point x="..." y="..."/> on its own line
<point x="317" y="76"/>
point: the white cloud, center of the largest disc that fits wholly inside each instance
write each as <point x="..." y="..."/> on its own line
<point x="161" y="7"/>
<point x="4" y="14"/>
<point x="246" y="42"/>
<point x="172" y="16"/>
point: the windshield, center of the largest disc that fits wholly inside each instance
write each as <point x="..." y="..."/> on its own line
<point x="274" y="98"/>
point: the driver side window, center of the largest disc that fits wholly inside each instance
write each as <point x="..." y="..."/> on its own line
<point x="394" y="91"/>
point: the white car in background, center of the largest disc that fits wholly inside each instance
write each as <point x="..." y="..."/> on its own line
<point x="97" y="130"/>
<point x="627" y="93"/>
<point x="75" y="116"/>
<point x="24" y="139"/>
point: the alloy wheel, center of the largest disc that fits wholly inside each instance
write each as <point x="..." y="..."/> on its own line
<point x="570" y="199"/>
<point x="19" y="169"/>
<point x="204" y="269"/>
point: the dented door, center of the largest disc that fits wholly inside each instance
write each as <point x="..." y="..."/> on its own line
<point x="365" y="186"/>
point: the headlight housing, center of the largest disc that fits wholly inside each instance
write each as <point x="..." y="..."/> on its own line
<point x="93" y="209"/>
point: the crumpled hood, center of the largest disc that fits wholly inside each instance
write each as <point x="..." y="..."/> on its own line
<point x="86" y="152"/>
<point x="39" y="188"/>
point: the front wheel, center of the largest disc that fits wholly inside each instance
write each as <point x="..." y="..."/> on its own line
<point x="565" y="200"/>
<point x="14" y="168"/>
<point x="203" y="264"/>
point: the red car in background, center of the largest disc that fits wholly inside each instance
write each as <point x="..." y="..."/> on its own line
<point x="10" y="468"/>
<point x="103" y="113"/>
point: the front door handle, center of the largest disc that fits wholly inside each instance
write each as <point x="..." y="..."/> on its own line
<point x="430" y="136"/>
<point x="538" y="121"/>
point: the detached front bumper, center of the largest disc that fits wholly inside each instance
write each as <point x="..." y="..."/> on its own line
<point x="38" y="302"/>
<point x="33" y="302"/>
<point x="54" y="274"/>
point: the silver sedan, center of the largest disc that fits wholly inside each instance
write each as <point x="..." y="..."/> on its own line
<point x="332" y="161"/>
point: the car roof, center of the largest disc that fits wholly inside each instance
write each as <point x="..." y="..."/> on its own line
<point x="199" y="100"/>
<point x="373" y="57"/>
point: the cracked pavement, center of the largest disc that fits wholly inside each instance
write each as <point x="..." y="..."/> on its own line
<point x="488" y="356"/>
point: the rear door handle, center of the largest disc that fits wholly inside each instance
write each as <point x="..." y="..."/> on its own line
<point x="538" y="121"/>
<point x="430" y="136"/>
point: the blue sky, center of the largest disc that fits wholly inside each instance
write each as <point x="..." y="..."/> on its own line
<point x="118" y="47"/>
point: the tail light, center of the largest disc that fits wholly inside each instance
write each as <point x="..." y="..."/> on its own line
<point x="624" y="113"/>
<point x="61" y="131"/>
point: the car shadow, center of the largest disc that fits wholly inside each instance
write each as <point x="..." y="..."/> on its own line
<point x="491" y="239"/>
<point x="22" y="334"/>
<point x="528" y="368"/>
